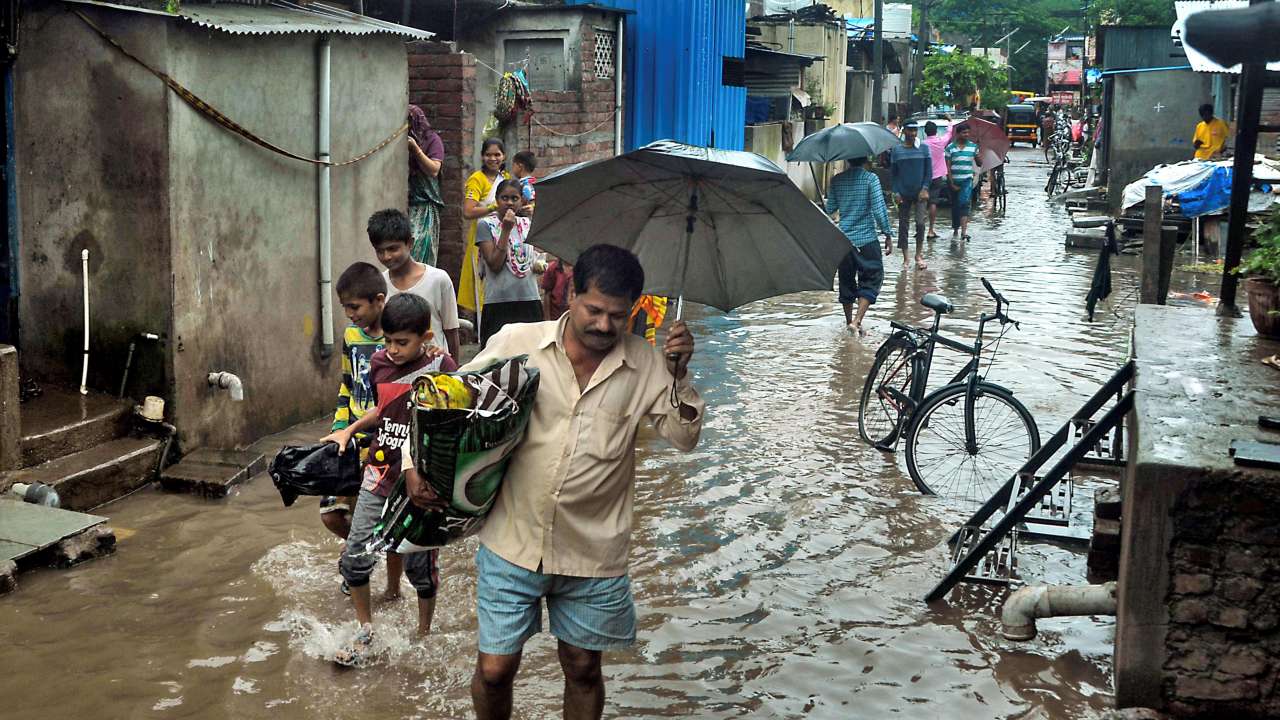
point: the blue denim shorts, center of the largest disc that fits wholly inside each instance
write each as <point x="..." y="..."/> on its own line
<point x="589" y="613"/>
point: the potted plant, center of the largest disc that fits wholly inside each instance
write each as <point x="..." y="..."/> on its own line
<point x="1262" y="272"/>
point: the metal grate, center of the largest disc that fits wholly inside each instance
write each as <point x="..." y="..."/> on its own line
<point x="606" y="41"/>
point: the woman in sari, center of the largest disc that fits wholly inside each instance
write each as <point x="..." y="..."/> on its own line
<point x="426" y="157"/>
<point x="479" y="201"/>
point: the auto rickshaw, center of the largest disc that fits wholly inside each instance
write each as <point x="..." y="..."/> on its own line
<point x="1020" y="123"/>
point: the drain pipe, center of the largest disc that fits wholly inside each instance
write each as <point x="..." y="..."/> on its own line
<point x="227" y="381"/>
<point x="1021" y="609"/>
<point x="322" y="202"/>
<point x="84" y="366"/>
<point x="128" y="360"/>
<point x="620" y="45"/>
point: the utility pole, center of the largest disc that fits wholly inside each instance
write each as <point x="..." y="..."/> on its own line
<point x="1248" y="114"/>
<point x="922" y="47"/>
<point x="877" y="65"/>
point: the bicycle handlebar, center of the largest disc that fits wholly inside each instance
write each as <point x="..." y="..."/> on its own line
<point x="1001" y="304"/>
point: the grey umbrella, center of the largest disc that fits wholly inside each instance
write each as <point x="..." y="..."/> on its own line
<point x="720" y="227"/>
<point x="844" y="142"/>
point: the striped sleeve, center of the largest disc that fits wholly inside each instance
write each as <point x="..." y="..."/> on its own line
<point x="342" y="415"/>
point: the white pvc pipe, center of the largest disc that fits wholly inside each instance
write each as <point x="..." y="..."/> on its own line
<point x="1021" y="609"/>
<point x="323" y="202"/>
<point x="84" y="367"/>
<point x="620" y="45"/>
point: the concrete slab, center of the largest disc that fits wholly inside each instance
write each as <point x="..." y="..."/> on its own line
<point x="251" y="461"/>
<point x="40" y="526"/>
<point x="10" y="550"/>
<point x="1091" y="239"/>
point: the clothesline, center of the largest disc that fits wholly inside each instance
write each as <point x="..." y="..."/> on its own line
<point x="613" y="114"/>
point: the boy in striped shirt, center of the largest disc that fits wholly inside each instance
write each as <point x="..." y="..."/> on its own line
<point x="962" y="163"/>
<point x="362" y="290"/>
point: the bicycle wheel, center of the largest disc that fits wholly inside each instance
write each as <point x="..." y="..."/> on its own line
<point x="1051" y="152"/>
<point x="1052" y="183"/>
<point x="939" y="463"/>
<point x="894" y="368"/>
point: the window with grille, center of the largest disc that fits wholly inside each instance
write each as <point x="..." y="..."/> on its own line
<point x="606" y="41"/>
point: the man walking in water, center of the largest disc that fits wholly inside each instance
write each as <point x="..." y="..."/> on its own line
<point x="857" y="197"/>
<point x="962" y="163"/>
<point x="911" y="169"/>
<point x="560" y="528"/>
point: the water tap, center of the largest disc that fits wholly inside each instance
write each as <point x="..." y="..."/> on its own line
<point x="227" y="381"/>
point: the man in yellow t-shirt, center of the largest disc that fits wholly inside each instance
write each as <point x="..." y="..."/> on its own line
<point x="1211" y="134"/>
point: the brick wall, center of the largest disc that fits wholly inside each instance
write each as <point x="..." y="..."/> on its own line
<point x="557" y="136"/>
<point x="442" y="82"/>
<point x="1223" y="642"/>
<point x="568" y="127"/>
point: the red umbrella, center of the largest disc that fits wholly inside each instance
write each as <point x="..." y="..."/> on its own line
<point x="992" y="141"/>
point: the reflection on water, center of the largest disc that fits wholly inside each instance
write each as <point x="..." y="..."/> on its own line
<point x="778" y="568"/>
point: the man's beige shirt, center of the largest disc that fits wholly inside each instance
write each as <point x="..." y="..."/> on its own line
<point x="565" y="505"/>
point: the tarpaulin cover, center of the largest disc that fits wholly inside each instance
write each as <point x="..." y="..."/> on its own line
<point x="1179" y="178"/>
<point x="315" y="470"/>
<point x="465" y="427"/>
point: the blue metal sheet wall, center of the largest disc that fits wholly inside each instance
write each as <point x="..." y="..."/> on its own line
<point x="673" y="65"/>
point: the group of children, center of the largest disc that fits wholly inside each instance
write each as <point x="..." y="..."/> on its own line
<point x="404" y="324"/>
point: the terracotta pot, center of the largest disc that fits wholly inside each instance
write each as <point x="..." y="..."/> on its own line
<point x="1264" y="306"/>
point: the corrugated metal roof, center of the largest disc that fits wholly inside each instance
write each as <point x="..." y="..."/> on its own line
<point x="674" y="60"/>
<point x="1131" y="48"/>
<point x="283" y="18"/>
<point x="278" y="18"/>
<point x="1198" y="61"/>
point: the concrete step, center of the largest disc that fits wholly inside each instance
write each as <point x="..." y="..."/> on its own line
<point x="212" y="473"/>
<point x="61" y="422"/>
<point x="88" y="478"/>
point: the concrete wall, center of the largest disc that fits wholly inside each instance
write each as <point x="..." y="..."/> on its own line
<point x="1143" y="136"/>
<point x="93" y="172"/>
<point x="244" y="224"/>
<point x="768" y="140"/>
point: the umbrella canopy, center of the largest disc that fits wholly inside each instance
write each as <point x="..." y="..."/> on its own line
<point x="992" y="139"/>
<point x="720" y="227"/>
<point x="844" y="142"/>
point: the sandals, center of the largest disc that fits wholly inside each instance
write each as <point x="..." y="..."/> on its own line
<point x="359" y="651"/>
<point x="1272" y="361"/>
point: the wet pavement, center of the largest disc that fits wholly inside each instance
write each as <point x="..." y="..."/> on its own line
<point x="778" y="569"/>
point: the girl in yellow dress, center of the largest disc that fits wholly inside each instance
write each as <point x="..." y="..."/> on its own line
<point x="479" y="201"/>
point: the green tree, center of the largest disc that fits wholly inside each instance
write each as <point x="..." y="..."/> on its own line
<point x="955" y="78"/>
<point x="1131" y="12"/>
<point x="1032" y="23"/>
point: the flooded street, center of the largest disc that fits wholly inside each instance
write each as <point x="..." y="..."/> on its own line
<point x="777" y="569"/>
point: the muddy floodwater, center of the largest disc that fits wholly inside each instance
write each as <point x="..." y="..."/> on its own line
<point x="778" y="569"/>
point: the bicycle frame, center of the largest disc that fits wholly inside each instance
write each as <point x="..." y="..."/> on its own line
<point x="926" y="343"/>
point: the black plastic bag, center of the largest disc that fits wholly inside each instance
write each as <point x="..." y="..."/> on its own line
<point x="315" y="470"/>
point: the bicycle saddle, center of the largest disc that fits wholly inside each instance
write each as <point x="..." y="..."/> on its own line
<point x="937" y="303"/>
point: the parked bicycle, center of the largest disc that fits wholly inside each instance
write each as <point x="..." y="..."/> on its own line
<point x="999" y="191"/>
<point x="1068" y="172"/>
<point x="963" y="440"/>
